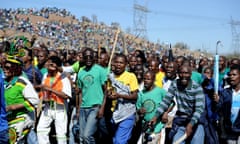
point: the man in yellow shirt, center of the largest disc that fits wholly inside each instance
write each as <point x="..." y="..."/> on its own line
<point x="126" y="87"/>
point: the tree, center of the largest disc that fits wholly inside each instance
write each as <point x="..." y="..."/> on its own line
<point x="181" y="45"/>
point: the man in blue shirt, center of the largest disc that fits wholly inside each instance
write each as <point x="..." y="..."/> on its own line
<point x="3" y="114"/>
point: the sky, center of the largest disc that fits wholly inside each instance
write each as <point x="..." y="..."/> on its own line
<point x="197" y="23"/>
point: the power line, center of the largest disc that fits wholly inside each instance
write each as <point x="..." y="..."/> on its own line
<point x="187" y="16"/>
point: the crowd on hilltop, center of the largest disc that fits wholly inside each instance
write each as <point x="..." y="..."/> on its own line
<point x="93" y="93"/>
<point x="71" y="34"/>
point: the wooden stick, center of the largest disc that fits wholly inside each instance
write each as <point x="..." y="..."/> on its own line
<point x="99" y="49"/>
<point x="39" y="107"/>
<point x="113" y="48"/>
<point x="124" y="45"/>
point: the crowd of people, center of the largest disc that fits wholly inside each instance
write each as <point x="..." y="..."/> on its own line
<point x="70" y="32"/>
<point x="91" y="95"/>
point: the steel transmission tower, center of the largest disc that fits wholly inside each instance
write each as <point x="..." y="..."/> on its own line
<point x="235" y="25"/>
<point x="140" y="20"/>
<point x="94" y="19"/>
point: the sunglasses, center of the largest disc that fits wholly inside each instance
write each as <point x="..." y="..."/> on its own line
<point x="88" y="57"/>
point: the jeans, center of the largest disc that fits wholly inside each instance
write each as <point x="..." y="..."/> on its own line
<point x="103" y="135"/>
<point x="32" y="137"/>
<point x="198" y="135"/>
<point x="4" y="138"/>
<point x="102" y="127"/>
<point x="73" y="121"/>
<point x="88" y="124"/>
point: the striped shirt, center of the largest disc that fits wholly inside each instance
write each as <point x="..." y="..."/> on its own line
<point x="190" y="101"/>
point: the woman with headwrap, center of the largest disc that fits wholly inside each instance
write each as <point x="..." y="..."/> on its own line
<point x="21" y="101"/>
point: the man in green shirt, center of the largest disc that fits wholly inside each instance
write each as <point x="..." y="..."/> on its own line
<point x="91" y="81"/>
<point x="148" y="101"/>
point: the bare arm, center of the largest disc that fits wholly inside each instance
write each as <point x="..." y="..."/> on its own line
<point x="102" y="108"/>
<point x="14" y="107"/>
<point x="58" y="93"/>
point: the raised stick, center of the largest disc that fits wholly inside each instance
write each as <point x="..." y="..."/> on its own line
<point x="114" y="47"/>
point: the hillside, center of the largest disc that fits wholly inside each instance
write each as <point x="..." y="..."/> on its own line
<point x="66" y="32"/>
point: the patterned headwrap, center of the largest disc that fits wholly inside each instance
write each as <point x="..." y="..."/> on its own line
<point x="17" y="44"/>
<point x="13" y="59"/>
